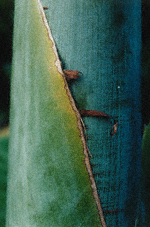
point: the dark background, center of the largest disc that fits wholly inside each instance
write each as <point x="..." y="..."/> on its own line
<point x="146" y="61"/>
<point x="6" y="33"/>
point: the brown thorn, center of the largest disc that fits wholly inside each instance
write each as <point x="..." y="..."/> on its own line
<point x="114" y="129"/>
<point x="45" y="7"/>
<point x="70" y="74"/>
<point x="94" y="113"/>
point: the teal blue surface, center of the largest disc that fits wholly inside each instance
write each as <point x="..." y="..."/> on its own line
<point x="102" y="39"/>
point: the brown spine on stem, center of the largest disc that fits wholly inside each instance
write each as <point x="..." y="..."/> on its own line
<point x="71" y="74"/>
<point x="94" y="113"/>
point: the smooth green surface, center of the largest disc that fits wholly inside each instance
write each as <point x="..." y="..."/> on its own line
<point x="48" y="184"/>
<point x="3" y="178"/>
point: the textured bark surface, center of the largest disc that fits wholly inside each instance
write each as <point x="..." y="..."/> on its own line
<point x="102" y="39"/>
